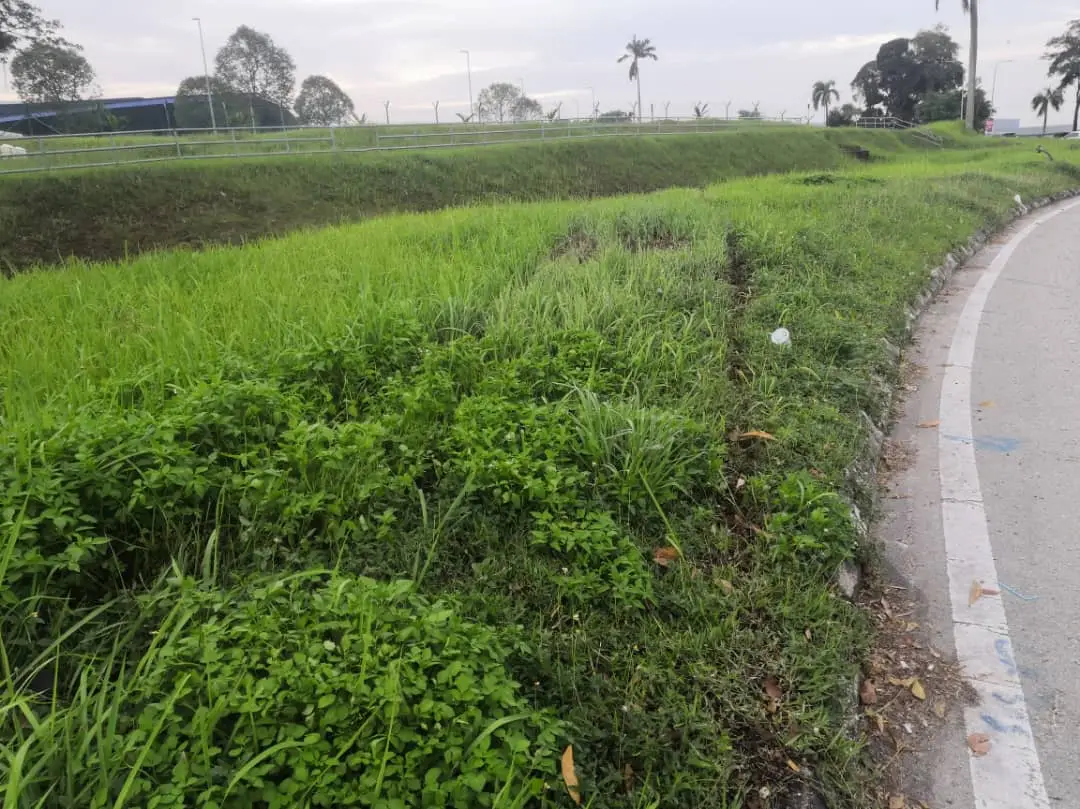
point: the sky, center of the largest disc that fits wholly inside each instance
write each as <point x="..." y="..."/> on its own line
<point x="408" y="52"/>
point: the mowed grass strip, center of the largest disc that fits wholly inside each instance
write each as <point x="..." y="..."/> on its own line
<point x="392" y="514"/>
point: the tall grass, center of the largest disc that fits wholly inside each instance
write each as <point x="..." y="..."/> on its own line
<point x="444" y="494"/>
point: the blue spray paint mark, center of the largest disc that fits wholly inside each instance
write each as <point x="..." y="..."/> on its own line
<point x="992" y="443"/>
<point x="1016" y="592"/>
<point x="1001" y="646"/>
<point x="1004" y="700"/>
<point x="1001" y="727"/>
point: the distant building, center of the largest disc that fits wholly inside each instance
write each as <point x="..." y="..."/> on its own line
<point x="99" y="115"/>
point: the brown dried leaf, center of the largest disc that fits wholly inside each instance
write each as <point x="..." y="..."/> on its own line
<point x="569" y="775"/>
<point x="918" y="691"/>
<point x="726" y="586"/>
<point x="929" y="425"/>
<point x="887" y="607"/>
<point x="628" y="778"/>
<point x="764" y="436"/>
<point x="979" y="744"/>
<point x="773" y="693"/>
<point x="907" y="682"/>
<point x="666" y="557"/>
<point x="809" y="635"/>
<point x="868" y="692"/>
<point x="772" y="688"/>
<point x="987" y="404"/>
<point x="793" y="766"/>
<point x="978" y="591"/>
<point x="878" y="718"/>
<point x="897" y="802"/>
<point x="939" y="709"/>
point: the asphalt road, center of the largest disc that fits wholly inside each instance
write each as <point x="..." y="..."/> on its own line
<point x="1000" y="362"/>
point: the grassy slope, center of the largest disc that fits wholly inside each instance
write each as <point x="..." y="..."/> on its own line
<point x="112" y="213"/>
<point x="555" y="390"/>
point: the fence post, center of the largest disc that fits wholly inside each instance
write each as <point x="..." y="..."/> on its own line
<point x="333" y="140"/>
<point x="288" y="146"/>
<point x="176" y="137"/>
<point x="235" y="145"/>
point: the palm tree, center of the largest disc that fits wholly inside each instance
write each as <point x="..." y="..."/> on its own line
<point x="1064" y="58"/>
<point x="636" y="50"/>
<point x="1048" y="98"/>
<point x="971" y="8"/>
<point x="824" y="94"/>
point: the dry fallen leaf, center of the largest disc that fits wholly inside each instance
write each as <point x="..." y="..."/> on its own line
<point x="773" y="692"/>
<point x="809" y="635"/>
<point x="740" y="483"/>
<point x="929" y="425"/>
<point x="665" y="557"/>
<point x="628" y="778"/>
<point x="878" y="718"/>
<point x="918" y="691"/>
<point x="764" y="436"/>
<point x="897" y="802"/>
<point x="986" y="404"/>
<point x="907" y="682"/>
<point x="887" y="607"/>
<point x="726" y="586"/>
<point x="939" y="709"/>
<point x="569" y="775"/>
<point x="792" y="766"/>
<point x="868" y="692"/>
<point x="979" y="743"/>
<point x="978" y="591"/>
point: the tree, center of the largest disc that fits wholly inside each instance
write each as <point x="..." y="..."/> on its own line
<point x="824" y="94"/>
<point x="614" y="117"/>
<point x="1050" y="98"/>
<point x="497" y="101"/>
<point x="750" y="115"/>
<point x="906" y="71"/>
<point x="323" y="103"/>
<point x="700" y="110"/>
<point x="946" y="105"/>
<point x="252" y="64"/>
<point x="51" y="73"/>
<point x="636" y="51"/>
<point x="21" y="21"/>
<point x="526" y="109"/>
<point x="845" y="116"/>
<point x="1063" y="53"/>
<point x="971" y="8"/>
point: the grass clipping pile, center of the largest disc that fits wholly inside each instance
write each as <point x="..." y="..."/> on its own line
<point x="499" y="525"/>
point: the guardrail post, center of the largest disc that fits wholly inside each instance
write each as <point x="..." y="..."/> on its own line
<point x="333" y="140"/>
<point x="235" y="145"/>
<point x="176" y="137"/>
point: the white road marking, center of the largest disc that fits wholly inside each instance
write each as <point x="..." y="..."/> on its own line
<point x="1009" y="776"/>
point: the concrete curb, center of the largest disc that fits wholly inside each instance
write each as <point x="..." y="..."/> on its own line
<point x="861" y="475"/>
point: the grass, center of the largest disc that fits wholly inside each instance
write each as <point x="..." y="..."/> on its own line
<point x="396" y="511"/>
<point x="110" y="214"/>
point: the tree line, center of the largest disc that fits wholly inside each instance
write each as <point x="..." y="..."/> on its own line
<point x="921" y="79"/>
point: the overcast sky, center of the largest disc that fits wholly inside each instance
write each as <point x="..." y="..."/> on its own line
<point x="408" y="51"/>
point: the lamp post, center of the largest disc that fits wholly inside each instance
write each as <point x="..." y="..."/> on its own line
<point x="468" y="70"/>
<point x="993" y="86"/>
<point x="206" y="72"/>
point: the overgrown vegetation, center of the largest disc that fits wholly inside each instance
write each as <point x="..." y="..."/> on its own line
<point x="391" y="514"/>
<point x="110" y="214"/>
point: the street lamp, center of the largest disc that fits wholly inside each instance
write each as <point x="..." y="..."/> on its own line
<point x="993" y="86"/>
<point x="468" y="68"/>
<point x="206" y="72"/>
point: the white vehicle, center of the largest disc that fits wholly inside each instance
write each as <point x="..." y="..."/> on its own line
<point x="7" y="150"/>
<point x="1073" y="136"/>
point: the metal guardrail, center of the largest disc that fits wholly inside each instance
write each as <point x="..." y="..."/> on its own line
<point x="100" y="150"/>
<point x="892" y="122"/>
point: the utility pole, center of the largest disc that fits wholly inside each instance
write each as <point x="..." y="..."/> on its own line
<point x="435" y="104"/>
<point x="468" y="69"/>
<point x="206" y="72"/>
<point x="727" y="110"/>
<point x="386" y="106"/>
